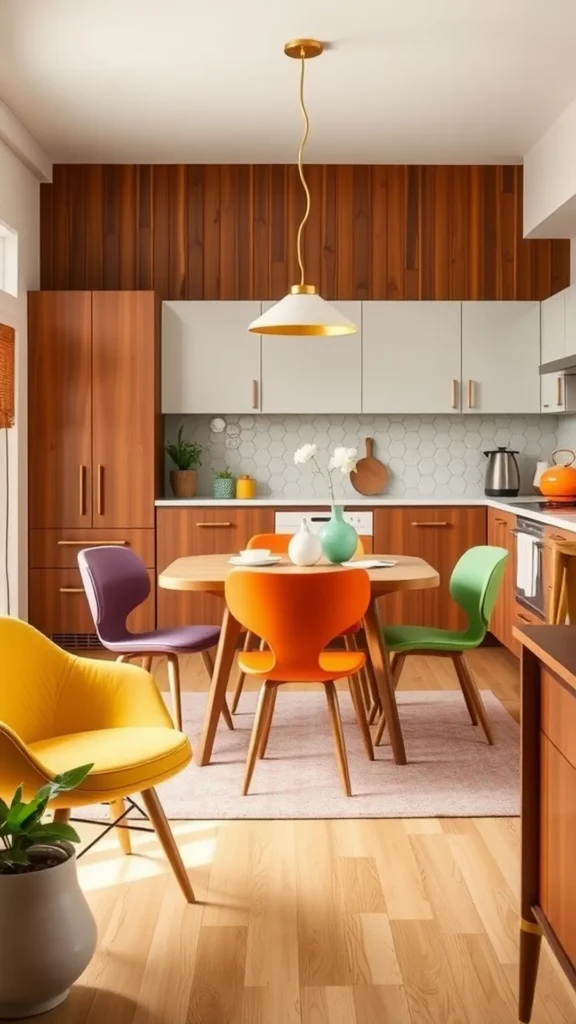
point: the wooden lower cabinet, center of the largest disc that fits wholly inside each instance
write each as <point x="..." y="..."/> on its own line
<point x="440" y="535"/>
<point x="57" y="606"/>
<point x="201" y="531"/>
<point x="504" y="617"/>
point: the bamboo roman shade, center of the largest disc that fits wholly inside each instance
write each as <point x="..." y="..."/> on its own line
<point x="7" y="337"/>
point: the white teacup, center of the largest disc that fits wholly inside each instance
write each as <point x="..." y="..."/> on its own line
<point x="255" y="555"/>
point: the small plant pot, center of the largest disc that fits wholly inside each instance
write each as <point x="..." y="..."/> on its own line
<point x="183" y="482"/>
<point x="224" y="487"/>
<point x="47" y="935"/>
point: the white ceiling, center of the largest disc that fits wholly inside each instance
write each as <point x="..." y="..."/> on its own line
<point x="461" y="81"/>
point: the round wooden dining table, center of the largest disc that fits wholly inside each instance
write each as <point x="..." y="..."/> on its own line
<point x="208" y="573"/>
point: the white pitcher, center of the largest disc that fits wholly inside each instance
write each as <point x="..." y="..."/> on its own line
<point x="304" y="547"/>
<point x="541" y="467"/>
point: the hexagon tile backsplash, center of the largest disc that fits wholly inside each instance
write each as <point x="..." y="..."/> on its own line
<point x="425" y="455"/>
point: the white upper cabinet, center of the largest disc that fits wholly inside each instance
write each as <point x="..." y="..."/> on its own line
<point x="569" y="320"/>
<point x="553" y="327"/>
<point x="501" y="357"/>
<point x="210" y="361"/>
<point x="411" y="357"/>
<point x="313" y="375"/>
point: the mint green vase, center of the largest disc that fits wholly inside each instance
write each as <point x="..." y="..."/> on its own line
<point x="339" y="540"/>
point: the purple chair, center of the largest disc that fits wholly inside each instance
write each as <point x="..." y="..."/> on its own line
<point x="116" y="581"/>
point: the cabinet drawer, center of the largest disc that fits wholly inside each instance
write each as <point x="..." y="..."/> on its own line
<point x="558" y="845"/>
<point x="524" y="617"/>
<point x="558" y="715"/>
<point x="58" y="549"/>
<point x="58" y="607"/>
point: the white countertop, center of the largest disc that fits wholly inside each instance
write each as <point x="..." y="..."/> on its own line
<point x="560" y="518"/>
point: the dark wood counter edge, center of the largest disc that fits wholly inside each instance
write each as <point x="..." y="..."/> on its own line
<point x="554" y="646"/>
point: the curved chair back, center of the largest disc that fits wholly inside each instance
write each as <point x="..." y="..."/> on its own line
<point x="297" y="614"/>
<point x="278" y="543"/>
<point x="33" y="674"/>
<point x="116" y="581"/>
<point x="474" y="585"/>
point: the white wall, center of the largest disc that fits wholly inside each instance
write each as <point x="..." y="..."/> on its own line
<point x="550" y="181"/>
<point x="20" y="209"/>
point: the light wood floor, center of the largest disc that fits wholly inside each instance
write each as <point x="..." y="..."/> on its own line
<point x="317" y="922"/>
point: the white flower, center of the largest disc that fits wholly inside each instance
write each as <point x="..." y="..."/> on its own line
<point x="304" y="454"/>
<point x="344" y="459"/>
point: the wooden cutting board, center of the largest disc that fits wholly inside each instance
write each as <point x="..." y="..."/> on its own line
<point x="370" y="475"/>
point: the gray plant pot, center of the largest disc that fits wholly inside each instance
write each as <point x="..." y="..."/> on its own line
<point x="47" y="937"/>
<point x="223" y="487"/>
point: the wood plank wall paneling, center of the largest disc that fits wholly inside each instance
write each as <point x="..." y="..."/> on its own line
<point x="229" y="232"/>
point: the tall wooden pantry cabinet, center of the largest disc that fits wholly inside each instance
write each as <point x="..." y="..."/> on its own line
<point x="93" y="445"/>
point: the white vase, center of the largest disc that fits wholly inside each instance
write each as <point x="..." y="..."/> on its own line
<point x="305" y="547"/>
<point x="47" y="937"/>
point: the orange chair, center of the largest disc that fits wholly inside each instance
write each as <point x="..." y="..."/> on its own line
<point x="297" y="615"/>
<point x="278" y="545"/>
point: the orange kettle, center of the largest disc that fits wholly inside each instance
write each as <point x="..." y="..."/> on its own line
<point x="559" y="482"/>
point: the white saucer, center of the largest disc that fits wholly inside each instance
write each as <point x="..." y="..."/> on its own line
<point x="271" y="560"/>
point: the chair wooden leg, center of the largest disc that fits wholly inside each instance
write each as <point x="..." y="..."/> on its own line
<point x="209" y="666"/>
<point x="373" y="687"/>
<point x="396" y="666"/>
<point x="477" y="699"/>
<point x="147" y="663"/>
<point x="117" y="807"/>
<point x="167" y="842"/>
<point x="462" y="679"/>
<point x="248" y="641"/>
<point x="174" y="684"/>
<point x="351" y="644"/>
<point x="266" y="695"/>
<point x="123" y="657"/>
<point x="338" y="735"/>
<point x="268" y="723"/>
<point x="62" y="815"/>
<point x="358" y="701"/>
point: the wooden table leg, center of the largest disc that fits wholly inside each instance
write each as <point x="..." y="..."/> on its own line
<point x="381" y="667"/>
<point x="217" y="693"/>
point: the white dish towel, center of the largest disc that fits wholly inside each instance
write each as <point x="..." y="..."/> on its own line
<point x="526" y="564"/>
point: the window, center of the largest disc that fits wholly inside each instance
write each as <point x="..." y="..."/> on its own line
<point x="8" y="260"/>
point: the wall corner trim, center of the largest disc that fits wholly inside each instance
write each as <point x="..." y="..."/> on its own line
<point x="19" y="140"/>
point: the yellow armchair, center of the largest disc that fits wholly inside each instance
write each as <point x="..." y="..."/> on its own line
<point x="58" y="711"/>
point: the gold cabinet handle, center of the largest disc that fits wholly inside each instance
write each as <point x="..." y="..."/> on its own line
<point x="501" y="521"/>
<point x="255" y="402"/>
<point x="82" y="490"/>
<point x="558" y="537"/>
<point x="204" y="525"/>
<point x="471" y="395"/>
<point x="71" y="590"/>
<point x="88" y="543"/>
<point x="454" y="393"/>
<point x="524" y="618"/>
<point x="559" y="391"/>
<point x="100" y="490"/>
<point x="441" y="522"/>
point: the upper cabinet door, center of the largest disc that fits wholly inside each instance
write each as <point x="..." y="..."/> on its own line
<point x="501" y="357"/>
<point x="569" y="320"/>
<point x="59" y="409"/>
<point x="210" y="361"/>
<point x="411" y="357"/>
<point x="124" y="390"/>
<point x="313" y="375"/>
<point x="553" y="313"/>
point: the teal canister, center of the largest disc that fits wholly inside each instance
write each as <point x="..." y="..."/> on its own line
<point x="339" y="540"/>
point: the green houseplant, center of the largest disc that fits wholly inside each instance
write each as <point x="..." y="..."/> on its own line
<point x="186" y="456"/>
<point x="47" y="932"/>
<point x="224" y="484"/>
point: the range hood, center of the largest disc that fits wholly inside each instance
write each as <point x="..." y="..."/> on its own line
<point x="565" y="365"/>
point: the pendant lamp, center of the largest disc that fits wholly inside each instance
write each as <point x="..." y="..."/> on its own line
<point x="303" y="311"/>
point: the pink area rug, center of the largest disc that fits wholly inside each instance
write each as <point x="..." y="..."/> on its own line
<point x="452" y="772"/>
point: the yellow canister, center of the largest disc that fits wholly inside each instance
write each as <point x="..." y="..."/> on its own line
<point x="245" y="487"/>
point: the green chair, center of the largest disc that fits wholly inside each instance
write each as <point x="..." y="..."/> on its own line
<point x="474" y="585"/>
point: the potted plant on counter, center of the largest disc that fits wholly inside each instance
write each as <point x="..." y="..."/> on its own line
<point x="186" y="456"/>
<point x="47" y="932"/>
<point x="224" y="484"/>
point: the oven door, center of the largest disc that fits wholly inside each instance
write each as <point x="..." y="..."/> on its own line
<point x="530" y="570"/>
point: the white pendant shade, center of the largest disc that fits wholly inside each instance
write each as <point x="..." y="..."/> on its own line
<point x="302" y="314"/>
